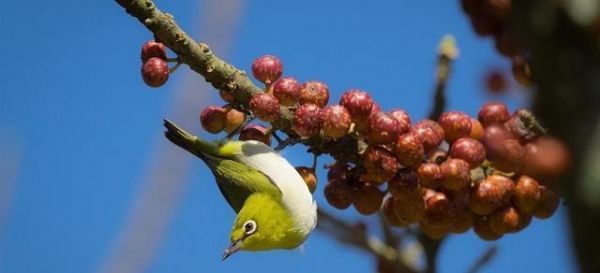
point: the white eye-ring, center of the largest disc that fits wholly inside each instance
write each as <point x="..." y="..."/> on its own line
<point x="249" y="227"/>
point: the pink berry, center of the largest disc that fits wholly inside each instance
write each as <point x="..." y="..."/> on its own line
<point x="409" y="150"/>
<point x="213" y="119"/>
<point x="155" y="72"/>
<point x="235" y="119"/>
<point x="493" y="113"/>
<point x="265" y="107"/>
<point x="456" y="124"/>
<point x="431" y="133"/>
<point x="314" y="92"/>
<point x="380" y="163"/>
<point x="439" y="210"/>
<point x="152" y="49"/>
<point x="403" y="119"/>
<point x="267" y="69"/>
<point x="429" y="175"/>
<point x="490" y="194"/>
<point x="308" y="120"/>
<point x="469" y="150"/>
<point x="336" y="121"/>
<point x="287" y="91"/>
<point x="255" y="132"/>
<point x="359" y="103"/>
<point x="383" y="128"/>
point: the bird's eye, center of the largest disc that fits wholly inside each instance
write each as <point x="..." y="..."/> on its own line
<point x="249" y="227"/>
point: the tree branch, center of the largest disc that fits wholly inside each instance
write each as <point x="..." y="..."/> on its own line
<point x="447" y="53"/>
<point x="485" y="258"/>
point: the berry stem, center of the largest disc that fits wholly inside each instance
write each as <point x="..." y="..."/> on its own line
<point x="174" y="68"/>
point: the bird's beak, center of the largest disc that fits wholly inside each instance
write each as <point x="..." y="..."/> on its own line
<point x="233" y="248"/>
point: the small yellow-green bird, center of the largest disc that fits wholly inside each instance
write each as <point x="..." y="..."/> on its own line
<point x="275" y="209"/>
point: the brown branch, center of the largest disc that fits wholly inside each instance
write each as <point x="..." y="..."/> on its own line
<point x="484" y="259"/>
<point x="447" y="53"/>
<point x="431" y="248"/>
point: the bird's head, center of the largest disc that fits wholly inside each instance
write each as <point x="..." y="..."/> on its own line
<point x="264" y="223"/>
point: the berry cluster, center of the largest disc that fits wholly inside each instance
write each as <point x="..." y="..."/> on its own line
<point x="491" y="18"/>
<point x="155" y="70"/>
<point x="447" y="175"/>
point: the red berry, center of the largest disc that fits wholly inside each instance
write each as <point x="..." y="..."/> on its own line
<point x="527" y="194"/>
<point x="307" y="121"/>
<point x="390" y="216"/>
<point x="235" y="119"/>
<point x="213" y="119"/>
<point x="403" y="119"/>
<point x="455" y="174"/>
<point x="548" y="203"/>
<point x="287" y="91"/>
<point x="547" y="157"/>
<point x="409" y="209"/>
<point x="358" y="103"/>
<point x="439" y="211"/>
<point x="434" y="232"/>
<point x="409" y="150"/>
<point x="495" y="82"/>
<point x="152" y="49"/>
<point x="482" y="228"/>
<point x="338" y="194"/>
<point x="339" y="171"/>
<point x="380" y="163"/>
<point x="490" y="194"/>
<point x="476" y="130"/>
<point x="309" y="177"/>
<point x="431" y="133"/>
<point x="429" y="175"/>
<point x="504" y="220"/>
<point x="267" y="69"/>
<point x="463" y="219"/>
<point x="336" y="121"/>
<point x="469" y="150"/>
<point x="493" y="113"/>
<point x="404" y="185"/>
<point x="367" y="200"/>
<point x="314" y="92"/>
<point x="155" y="72"/>
<point x="265" y="107"/>
<point x="226" y="96"/>
<point x="256" y="132"/>
<point x="456" y="124"/>
<point x="383" y="129"/>
<point x="509" y="157"/>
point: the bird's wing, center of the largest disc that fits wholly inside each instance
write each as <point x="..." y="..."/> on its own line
<point x="237" y="181"/>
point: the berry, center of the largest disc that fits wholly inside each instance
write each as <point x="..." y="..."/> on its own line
<point x="493" y="113"/>
<point x="548" y="203"/>
<point x="226" y="96"/>
<point x="336" y="121"/>
<point x="482" y="228"/>
<point x="267" y="69"/>
<point x="524" y="220"/>
<point x="455" y="174"/>
<point x="409" y="150"/>
<point x="431" y="133"/>
<point x="256" y="132"/>
<point x="509" y="157"/>
<point x="358" y="103"/>
<point x="213" y="119"/>
<point x="307" y="121"/>
<point x="547" y="157"/>
<point x="338" y="194"/>
<point x="490" y="194"/>
<point x="439" y="211"/>
<point x="434" y="232"/>
<point x="463" y="220"/>
<point x="476" y="130"/>
<point x="429" y="175"/>
<point x="152" y="49"/>
<point x="265" y="107"/>
<point x="390" y="216"/>
<point x="403" y="119"/>
<point x="495" y="82"/>
<point x="380" y="163"/>
<point x="527" y="194"/>
<point x="235" y="119"/>
<point x="339" y="171"/>
<point x="314" y="92"/>
<point x="155" y="72"/>
<point x="367" y="200"/>
<point x="456" y="124"/>
<point x="383" y="128"/>
<point x="404" y="184"/>
<point x="469" y="150"/>
<point x="409" y="209"/>
<point x="287" y="91"/>
<point x="504" y="220"/>
<point x="309" y="177"/>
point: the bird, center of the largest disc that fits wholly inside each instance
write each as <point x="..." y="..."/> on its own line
<point x="275" y="209"/>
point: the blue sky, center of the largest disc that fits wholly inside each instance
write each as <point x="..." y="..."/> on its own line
<point x="79" y="130"/>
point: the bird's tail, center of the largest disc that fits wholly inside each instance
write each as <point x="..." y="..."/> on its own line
<point x="199" y="147"/>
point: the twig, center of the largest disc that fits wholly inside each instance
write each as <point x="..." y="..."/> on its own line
<point x="485" y="258"/>
<point x="431" y="248"/>
<point x="447" y="53"/>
